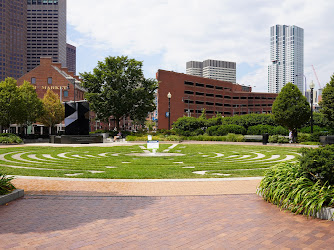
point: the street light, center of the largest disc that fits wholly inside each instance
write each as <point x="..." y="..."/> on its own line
<point x="312" y="87"/>
<point x="169" y="96"/>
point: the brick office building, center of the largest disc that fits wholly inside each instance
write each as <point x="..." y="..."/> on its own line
<point x="50" y="75"/>
<point x="192" y="94"/>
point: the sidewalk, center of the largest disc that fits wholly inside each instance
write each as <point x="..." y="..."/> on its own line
<point x="128" y="187"/>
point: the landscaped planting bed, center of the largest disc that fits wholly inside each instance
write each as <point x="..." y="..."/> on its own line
<point x="130" y="162"/>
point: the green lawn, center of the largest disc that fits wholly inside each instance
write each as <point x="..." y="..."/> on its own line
<point x="218" y="161"/>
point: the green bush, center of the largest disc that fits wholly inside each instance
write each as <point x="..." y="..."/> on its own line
<point x="315" y="137"/>
<point x="249" y="120"/>
<point x="98" y="131"/>
<point x="271" y="130"/>
<point x="286" y="186"/>
<point x="234" y="138"/>
<point x="225" y="129"/>
<point x="260" y="129"/>
<point x="318" y="163"/>
<point x="154" y="138"/>
<point x="190" y="126"/>
<point x="9" y="139"/>
<point x="303" y="137"/>
<point x="279" y="130"/>
<point x="278" y="139"/>
<point x="229" y="137"/>
<point x="5" y="184"/>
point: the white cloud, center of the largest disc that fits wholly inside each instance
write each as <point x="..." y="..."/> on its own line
<point x="183" y="30"/>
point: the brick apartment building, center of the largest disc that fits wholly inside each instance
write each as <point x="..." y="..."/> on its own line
<point x="192" y="94"/>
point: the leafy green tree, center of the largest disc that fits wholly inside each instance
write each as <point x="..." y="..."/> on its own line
<point x="117" y="87"/>
<point x="10" y="101"/>
<point x="31" y="106"/>
<point x="327" y="103"/>
<point x="53" y="112"/>
<point x="291" y="109"/>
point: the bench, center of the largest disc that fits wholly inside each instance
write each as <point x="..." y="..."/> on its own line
<point x="253" y="137"/>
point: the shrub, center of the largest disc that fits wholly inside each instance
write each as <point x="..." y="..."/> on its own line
<point x="249" y="120"/>
<point x="213" y="131"/>
<point x="229" y="137"/>
<point x="98" y="131"/>
<point x="260" y="129"/>
<point x="279" y="130"/>
<point x="303" y="137"/>
<point x="315" y="129"/>
<point x="225" y="129"/>
<point x="286" y="186"/>
<point x="315" y="137"/>
<point x="5" y="184"/>
<point x="234" y="138"/>
<point x="278" y="139"/>
<point x="190" y="126"/>
<point x="318" y="163"/>
<point x="9" y="139"/>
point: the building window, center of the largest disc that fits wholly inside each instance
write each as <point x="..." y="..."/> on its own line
<point x="65" y="93"/>
<point x="199" y="84"/>
<point x="188" y="83"/>
<point x="33" y="80"/>
<point x="49" y="80"/>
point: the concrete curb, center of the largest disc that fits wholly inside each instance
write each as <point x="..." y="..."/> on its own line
<point x="17" y="193"/>
<point x="325" y="213"/>
<point x="135" y="180"/>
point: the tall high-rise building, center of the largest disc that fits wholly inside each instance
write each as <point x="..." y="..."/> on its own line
<point x="46" y="24"/>
<point x="213" y="69"/>
<point x="13" y="38"/>
<point x="286" y="57"/>
<point x="71" y="58"/>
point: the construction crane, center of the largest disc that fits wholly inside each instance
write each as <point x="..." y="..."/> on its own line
<point x="316" y="76"/>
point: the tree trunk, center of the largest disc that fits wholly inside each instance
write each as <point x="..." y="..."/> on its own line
<point x="294" y="135"/>
<point x="117" y="122"/>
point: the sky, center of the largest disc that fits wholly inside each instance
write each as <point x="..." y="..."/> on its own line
<point x="165" y="34"/>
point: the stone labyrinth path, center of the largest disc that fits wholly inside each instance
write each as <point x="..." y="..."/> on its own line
<point x="130" y="162"/>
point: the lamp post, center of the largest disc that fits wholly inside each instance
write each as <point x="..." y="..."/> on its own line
<point x="311" y="97"/>
<point x="72" y="80"/>
<point x="169" y="96"/>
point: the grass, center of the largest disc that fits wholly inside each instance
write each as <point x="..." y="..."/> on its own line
<point x="115" y="162"/>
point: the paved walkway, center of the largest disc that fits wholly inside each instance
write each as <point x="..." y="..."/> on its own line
<point x="98" y="187"/>
<point x="133" y="214"/>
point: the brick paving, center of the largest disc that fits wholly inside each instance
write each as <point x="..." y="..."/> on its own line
<point x="184" y="222"/>
<point x="226" y="214"/>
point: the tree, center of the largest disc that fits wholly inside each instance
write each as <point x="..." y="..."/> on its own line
<point x="31" y="106"/>
<point x="53" y="111"/>
<point x="10" y="102"/>
<point x="117" y="87"/>
<point x="327" y="103"/>
<point x="291" y="109"/>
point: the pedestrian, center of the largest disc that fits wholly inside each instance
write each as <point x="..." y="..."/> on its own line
<point x="290" y="136"/>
